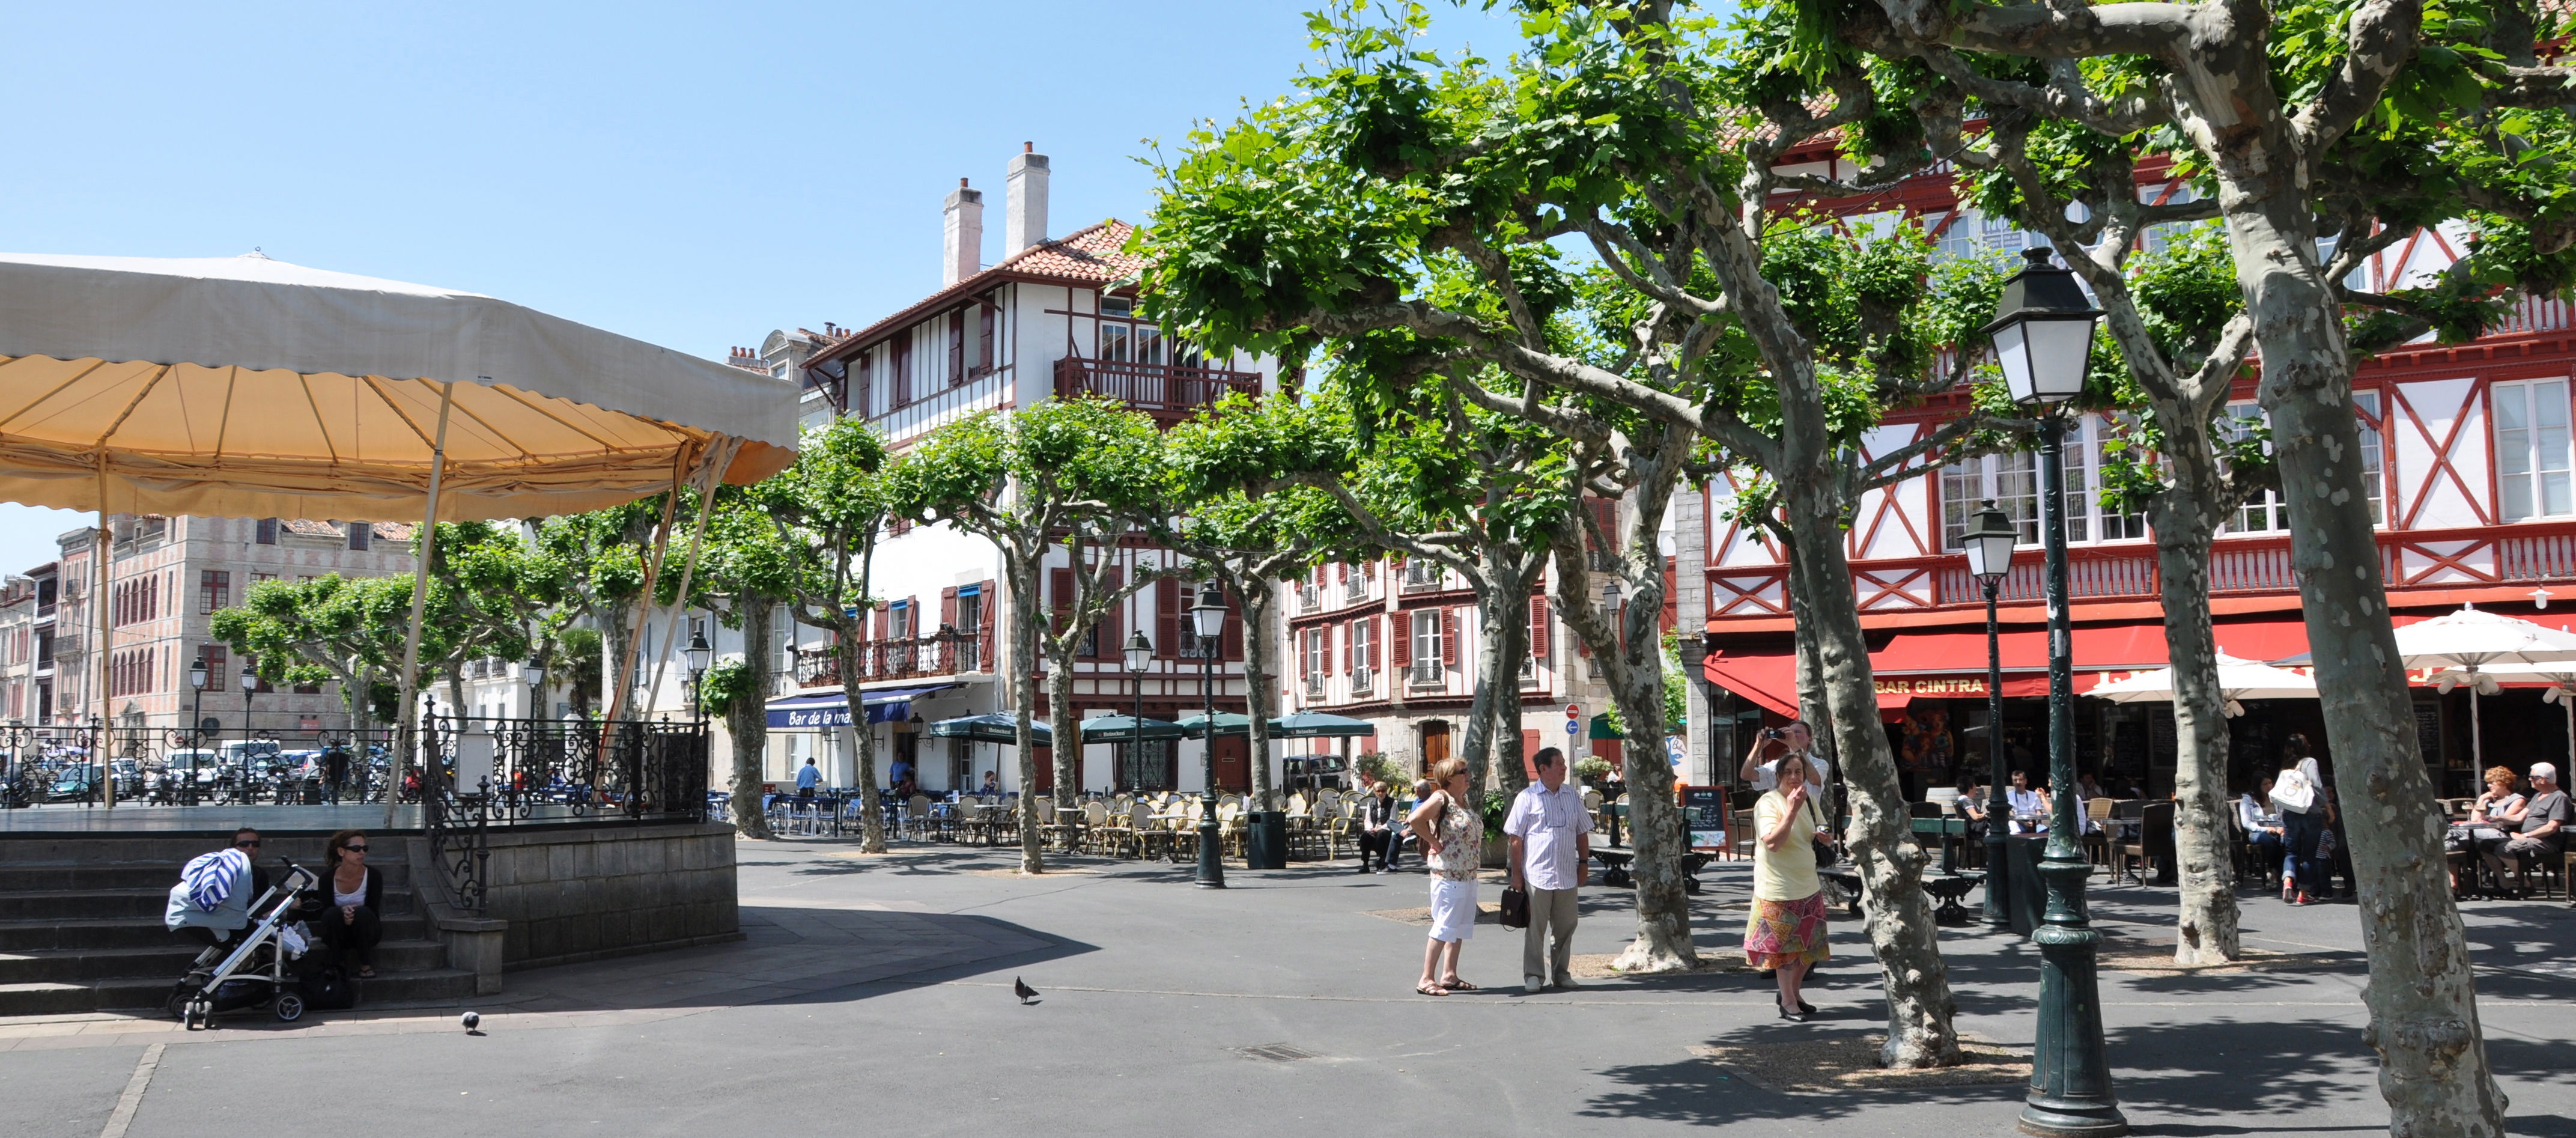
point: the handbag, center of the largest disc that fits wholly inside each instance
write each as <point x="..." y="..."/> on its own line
<point x="1515" y="907"/>
<point x="1825" y="854"/>
<point x="2293" y="792"/>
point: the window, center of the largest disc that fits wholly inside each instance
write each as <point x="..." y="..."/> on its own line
<point x="1316" y="639"/>
<point x="2087" y="519"/>
<point x="2532" y="452"/>
<point x="2374" y="484"/>
<point x="1426" y="645"/>
<point x="2012" y="480"/>
<point x="360" y="534"/>
<point x="2263" y="511"/>
<point x="1973" y="234"/>
<point x="214" y="590"/>
<point x="267" y="533"/>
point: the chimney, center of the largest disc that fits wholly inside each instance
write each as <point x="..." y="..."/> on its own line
<point x="963" y="256"/>
<point x="1026" y="223"/>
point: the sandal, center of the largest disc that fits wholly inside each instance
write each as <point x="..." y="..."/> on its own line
<point x="1430" y="989"/>
<point x="1455" y="984"/>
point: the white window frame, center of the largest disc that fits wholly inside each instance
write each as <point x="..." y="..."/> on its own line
<point x="1425" y="630"/>
<point x="2535" y="456"/>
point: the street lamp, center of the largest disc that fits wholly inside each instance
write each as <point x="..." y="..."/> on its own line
<point x="2043" y="336"/>
<point x="700" y="653"/>
<point x="249" y="684"/>
<point x="196" y="727"/>
<point x="1207" y="618"/>
<point x="1989" y="542"/>
<point x="535" y="674"/>
<point x="1140" y="653"/>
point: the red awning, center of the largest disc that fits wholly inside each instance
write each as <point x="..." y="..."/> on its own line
<point x="1952" y="665"/>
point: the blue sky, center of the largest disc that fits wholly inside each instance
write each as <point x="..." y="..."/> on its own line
<point x="694" y="175"/>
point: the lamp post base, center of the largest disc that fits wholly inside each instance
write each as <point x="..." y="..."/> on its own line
<point x="1211" y="847"/>
<point x="1998" y="911"/>
<point x="2070" y="1068"/>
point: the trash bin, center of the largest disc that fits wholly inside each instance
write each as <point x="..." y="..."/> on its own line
<point x="313" y="792"/>
<point x="1265" y="840"/>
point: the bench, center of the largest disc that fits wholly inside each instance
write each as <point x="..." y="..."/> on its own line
<point x="1615" y="863"/>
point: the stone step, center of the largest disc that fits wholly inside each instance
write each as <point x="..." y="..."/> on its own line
<point x="424" y="986"/>
<point x="169" y="960"/>
<point x="47" y="999"/>
<point x="106" y="904"/>
<point x="146" y="932"/>
<point x="19" y="877"/>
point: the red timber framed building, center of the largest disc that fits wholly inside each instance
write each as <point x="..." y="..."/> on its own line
<point x="2471" y="482"/>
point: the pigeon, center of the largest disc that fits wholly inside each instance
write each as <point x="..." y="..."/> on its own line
<point x="472" y="1021"/>
<point x="1020" y="988"/>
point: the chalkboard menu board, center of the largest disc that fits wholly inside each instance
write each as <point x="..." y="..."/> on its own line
<point x="2428" y="732"/>
<point x="1704" y="815"/>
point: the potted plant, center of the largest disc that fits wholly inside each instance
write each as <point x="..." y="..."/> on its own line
<point x="1592" y="770"/>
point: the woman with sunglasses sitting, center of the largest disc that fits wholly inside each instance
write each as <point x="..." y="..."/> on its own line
<point x="352" y="923"/>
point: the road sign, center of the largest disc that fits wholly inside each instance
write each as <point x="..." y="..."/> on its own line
<point x="1573" y="726"/>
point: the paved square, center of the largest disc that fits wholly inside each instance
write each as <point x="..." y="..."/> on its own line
<point x="872" y="995"/>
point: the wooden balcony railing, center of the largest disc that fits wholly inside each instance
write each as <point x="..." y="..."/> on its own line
<point x="1167" y="392"/>
<point x="944" y="653"/>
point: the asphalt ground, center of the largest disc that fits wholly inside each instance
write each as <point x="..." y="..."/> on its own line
<point x="872" y="995"/>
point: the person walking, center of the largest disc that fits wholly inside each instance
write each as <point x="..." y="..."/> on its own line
<point x="1786" y="931"/>
<point x="335" y="771"/>
<point x="1551" y="848"/>
<point x="1453" y="842"/>
<point x="1381" y="826"/>
<point x="808" y="777"/>
<point x="2299" y="793"/>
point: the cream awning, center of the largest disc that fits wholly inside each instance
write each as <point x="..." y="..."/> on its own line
<point x="247" y="387"/>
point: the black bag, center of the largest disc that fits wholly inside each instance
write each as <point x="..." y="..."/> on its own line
<point x="1516" y="913"/>
<point x="1825" y="854"/>
<point x="326" y="988"/>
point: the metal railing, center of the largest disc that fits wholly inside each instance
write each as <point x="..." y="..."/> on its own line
<point x="480" y="772"/>
<point x="1309" y="598"/>
<point x="1355" y="589"/>
<point x="946" y="652"/>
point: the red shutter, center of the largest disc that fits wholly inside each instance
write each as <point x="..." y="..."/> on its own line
<point x="1672" y="597"/>
<point x="1529" y="752"/>
<point x="1233" y="641"/>
<point x="883" y="616"/>
<point x="1449" y="637"/>
<point x="1350" y="644"/>
<point x="1605" y="513"/>
<point x="948" y="607"/>
<point x="990" y="318"/>
<point x="901" y="362"/>
<point x="1167" y="618"/>
<point x="1377" y="638"/>
<point x="1060" y="597"/>
<point x="957" y="347"/>
<point x="1399" y="640"/>
<point x="991" y="603"/>
<point x="1538" y="628"/>
<point x="1113" y="636"/>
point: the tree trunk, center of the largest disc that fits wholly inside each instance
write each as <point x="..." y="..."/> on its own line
<point x="863" y="735"/>
<point x="1028" y="616"/>
<point x="1260" y="700"/>
<point x="2185" y="520"/>
<point x="1491" y="684"/>
<point x="1507" y="641"/>
<point x="2422" y="996"/>
<point x="1065" y="755"/>
<point x="747" y="720"/>
<point x="1902" y="934"/>
<point x="616" y="631"/>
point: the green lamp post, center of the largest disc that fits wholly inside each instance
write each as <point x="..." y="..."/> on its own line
<point x="2043" y="335"/>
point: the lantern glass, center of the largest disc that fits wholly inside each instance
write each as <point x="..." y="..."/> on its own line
<point x="1989" y="543"/>
<point x="249" y="678"/>
<point x="197" y="674"/>
<point x="1140" y="651"/>
<point x="1208" y="616"/>
<point x="2044" y="356"/>
<point x="698" y="651"/>
<point x="534" y="673"/>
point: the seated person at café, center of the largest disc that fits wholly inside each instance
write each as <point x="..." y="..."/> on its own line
<point x="2543" y="832"/>
<point x="2029" y="807"/>
<point x="2262" y="830"/>
<point x="1972" y="806"/>
<point x="992" y="784"/>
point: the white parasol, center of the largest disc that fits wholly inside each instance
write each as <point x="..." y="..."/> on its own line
<point x="247" y="387"/>
<point x="2473" y="641"/>
<point x="2238" y="680"/>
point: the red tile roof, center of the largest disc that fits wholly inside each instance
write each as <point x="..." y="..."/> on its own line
<point x="1088" y="256"/>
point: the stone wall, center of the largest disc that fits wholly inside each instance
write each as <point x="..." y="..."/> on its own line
<point x="573" y="893"/>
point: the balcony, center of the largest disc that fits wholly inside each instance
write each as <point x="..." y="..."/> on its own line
<point x="1363" y="683"/>
<point x="1167" y="392"/>
<point x="1355" y="590"/>
<point x="945" y="653"/>
<point x="1314" y="685"/>
<point x="1422" y="576"/>
<point x="1309" y="598"/>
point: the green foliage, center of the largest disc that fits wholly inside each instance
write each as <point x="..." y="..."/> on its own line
<point x="727" y="682"/>
<point x="1376" y="765"/>
<point x="1591" y="769"/>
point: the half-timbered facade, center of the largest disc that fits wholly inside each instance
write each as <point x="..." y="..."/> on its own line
<point x="2470" y="460"/>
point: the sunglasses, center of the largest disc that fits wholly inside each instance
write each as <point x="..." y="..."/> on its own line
<point x="354" y="849"/>
<point x="246" y="845"/>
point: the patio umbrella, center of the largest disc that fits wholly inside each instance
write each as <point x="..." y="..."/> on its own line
<point x="2561" y="679"/>
<point x="1227" y="723"/>
<point x="1319" y="725"/>
<point x="992" y="728"/>
<point x="247" y="387"/>
<point x="2473" y="640"/>
<point x="2238" y="680"/>
<point x="1129" y="729"/>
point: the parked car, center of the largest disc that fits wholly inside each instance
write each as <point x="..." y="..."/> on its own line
<point x="74" y="784"/>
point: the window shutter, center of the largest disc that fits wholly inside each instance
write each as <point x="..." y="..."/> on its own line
<point x="1350" y="644"/>
<point x="1538" y="628"/>
<point x="1530" y="745"/>
<point x="901" y="362"/>
<point x="988" y="318"/>
<point x="990" y="614"/>
<point x="1399" y="641"/>
<point x="1449" y="637"/>
<point x="1233" y="640"/>
<point x="948" y="607"/>
<point x="1113" y="634"/>
<point x="1672" y="597"/>
<point x="1060" y="597"/>
<point x="1605" y="514"/>
<point x="1167" y="618"/>
<point x="882" y="616"/>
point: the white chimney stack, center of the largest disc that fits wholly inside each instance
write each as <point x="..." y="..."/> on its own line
<point x="1026" y="200"/>
<point x="963" y="255"/>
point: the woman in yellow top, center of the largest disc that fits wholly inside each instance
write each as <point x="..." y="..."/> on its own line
<point x="1786" y="932"/>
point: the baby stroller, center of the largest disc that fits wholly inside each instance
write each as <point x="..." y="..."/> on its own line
<point x="251" y="972"/>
